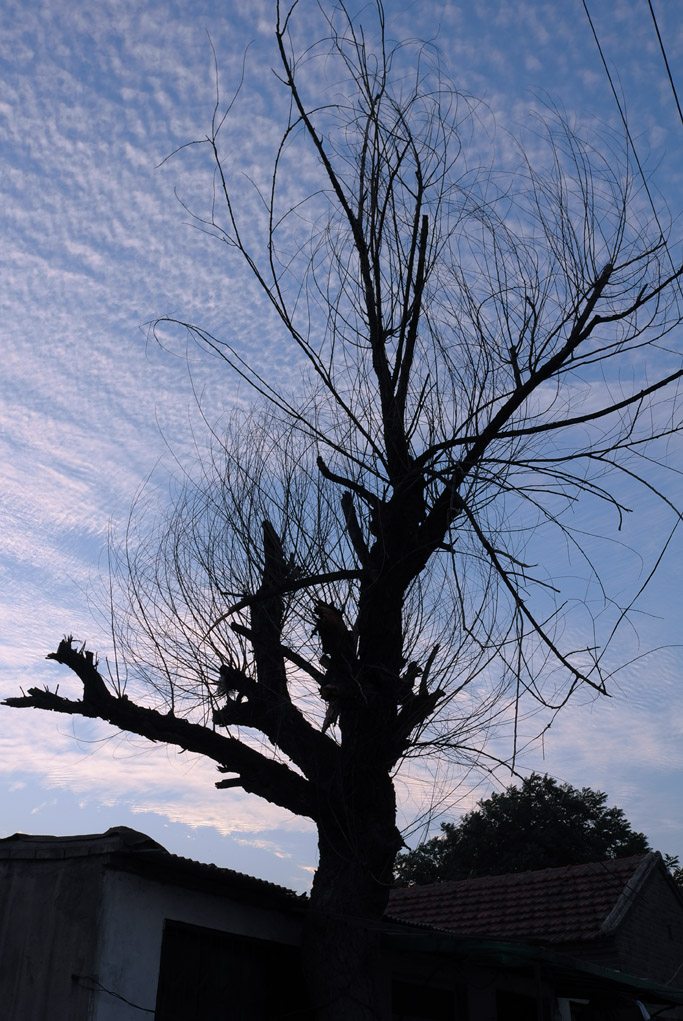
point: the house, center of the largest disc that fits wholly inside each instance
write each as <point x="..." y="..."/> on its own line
<point x="110" y="927"/>
<point x="624" y="916"/>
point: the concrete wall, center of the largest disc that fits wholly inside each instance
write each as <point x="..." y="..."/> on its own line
<point x="81" y="940"/>
<point x="133" y="910"/>
<point x="48" y="912"/>
<point x="649" y="941"/>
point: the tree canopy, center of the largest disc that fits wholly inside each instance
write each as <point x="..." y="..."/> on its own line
<point x="539" y="824"/>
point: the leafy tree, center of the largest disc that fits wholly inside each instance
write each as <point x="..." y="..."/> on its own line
<point x="347" y="582"/>
<point x="672" y="862"/>
<point x="539" y="825"/>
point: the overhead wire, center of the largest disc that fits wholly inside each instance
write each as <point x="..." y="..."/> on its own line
<point x="662" y="236"/>
<point x="623" y="119"/>
<point x="666" y="62"/>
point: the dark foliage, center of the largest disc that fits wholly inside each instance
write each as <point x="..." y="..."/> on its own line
<point x="539" y="825"/>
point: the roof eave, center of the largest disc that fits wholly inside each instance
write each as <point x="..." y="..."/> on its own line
<point x="561" y="966"/>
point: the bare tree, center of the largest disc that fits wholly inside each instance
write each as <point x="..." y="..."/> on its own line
<point x="349" y="576"/>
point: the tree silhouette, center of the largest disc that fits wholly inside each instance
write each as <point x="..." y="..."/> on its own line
<point x="539" y="825"/>
<point x="348" y="581"/>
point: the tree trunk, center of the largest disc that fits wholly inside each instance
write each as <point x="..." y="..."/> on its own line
<point x="346" y="975"/>
<point x="344" y="971"/>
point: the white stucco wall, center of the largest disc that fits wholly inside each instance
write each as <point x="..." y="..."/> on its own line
<point x="133" y="909"/>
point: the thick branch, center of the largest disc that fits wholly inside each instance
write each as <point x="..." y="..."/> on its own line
<point x="416" y="710"/>
<point x="288" y="653"/>
<point x="269" y="707"/>
<point x="448" y="504"/>
<point x="339" y="480"/>
<point x="292" y="585"/>
<point x="259" y="775"/>
<point x="578" y="334"/>
<point x="563" y="423"/>
<point x="592" y="416"/>
<point x="266" y="621"/>
<point x="365" y="262"/>
<point x="353" y="528"/>
<point x="407" y="361"/>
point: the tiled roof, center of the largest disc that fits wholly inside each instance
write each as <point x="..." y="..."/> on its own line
<point x="579" y="902"/>
<point x="131" y="850"/>
<point x="117" y="838"/>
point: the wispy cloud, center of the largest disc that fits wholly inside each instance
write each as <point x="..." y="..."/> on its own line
<point x="101" y="766"/>
<point x="94" y="245"/>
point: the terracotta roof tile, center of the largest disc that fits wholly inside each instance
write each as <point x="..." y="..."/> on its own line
<point x="553" y="905"/>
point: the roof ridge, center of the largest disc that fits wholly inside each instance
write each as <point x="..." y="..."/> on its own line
<point x="124" y="847"/>
<point x="78" y="844"/>
<point x="608" y="863"/>
<point x="631" y="888"/>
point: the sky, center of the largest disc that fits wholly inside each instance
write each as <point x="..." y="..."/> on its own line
<point x="95" y="244"/>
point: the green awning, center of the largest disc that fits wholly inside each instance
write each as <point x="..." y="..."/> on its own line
<point x="570" y="975"/>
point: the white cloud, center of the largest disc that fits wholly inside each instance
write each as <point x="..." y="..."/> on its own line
<point x="102" y="766"/>
<point x="94" y="97"/>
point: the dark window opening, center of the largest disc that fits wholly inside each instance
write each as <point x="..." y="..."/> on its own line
<point x="208" y="975"/>
<point x="515" y="1007"/>
<point x="413" y="1001"/>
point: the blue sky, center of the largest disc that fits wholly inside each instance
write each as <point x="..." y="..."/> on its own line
<point x="94" y="245"/>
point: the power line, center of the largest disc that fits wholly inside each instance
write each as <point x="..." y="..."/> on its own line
<point x="666" y="62"/>
<point x="623" y="118"/>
